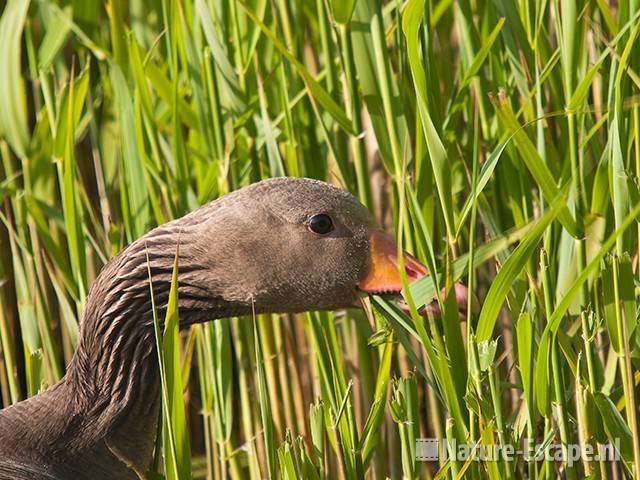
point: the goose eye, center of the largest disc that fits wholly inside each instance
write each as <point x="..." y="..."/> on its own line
<point x="321" y="224"/>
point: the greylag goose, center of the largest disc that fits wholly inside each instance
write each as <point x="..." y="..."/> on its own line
<point x="280" y="245"/>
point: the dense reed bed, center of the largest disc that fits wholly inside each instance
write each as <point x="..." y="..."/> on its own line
<point x="500" y="141"/>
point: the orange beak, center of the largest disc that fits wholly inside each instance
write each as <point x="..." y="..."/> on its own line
<point x="384" y="272"/>
<point x="383" y="275"/>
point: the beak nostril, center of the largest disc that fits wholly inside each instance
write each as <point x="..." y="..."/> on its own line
<point x="414" y="269"/>
<point x="411" y="272"/>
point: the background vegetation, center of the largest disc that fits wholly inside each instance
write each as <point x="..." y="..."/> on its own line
<point x="497" y="135"/>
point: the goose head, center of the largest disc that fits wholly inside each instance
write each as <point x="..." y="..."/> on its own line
<point x="292" y="245"/>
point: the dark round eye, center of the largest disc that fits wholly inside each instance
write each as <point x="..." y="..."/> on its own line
<point x="321" y="224"/>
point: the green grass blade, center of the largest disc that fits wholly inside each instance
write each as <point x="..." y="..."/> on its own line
<point x="181" y="462"/>
<point x="510" y="271"/>
<point x="411" y="22"/>
<point x="13" y="108"/>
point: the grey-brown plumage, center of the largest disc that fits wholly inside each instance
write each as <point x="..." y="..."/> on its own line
<point x="251" y="250"/>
